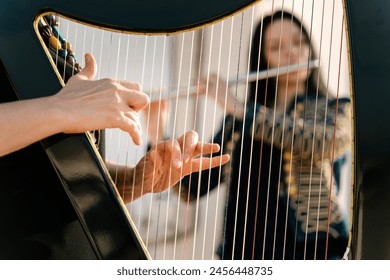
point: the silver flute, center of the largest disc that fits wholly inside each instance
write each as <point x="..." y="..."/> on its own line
<point x="185" y="91"/>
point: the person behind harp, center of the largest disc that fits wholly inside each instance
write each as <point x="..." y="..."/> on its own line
<point x="282" y="188"/>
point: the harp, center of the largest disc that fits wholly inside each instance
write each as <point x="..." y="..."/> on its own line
<point x="74" y="228"/>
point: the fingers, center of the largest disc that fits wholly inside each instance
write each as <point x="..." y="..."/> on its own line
<point x="90" y="69"/>
<point x="191" y="147"/>
<point x="206" y="148"/>
<point x="131" y="91"/>
<point x="201" y="164"/>
<point x="188" y="143"/>
<point x="133" y="126"/>
<point x="169" y="150"/>
<point x="176" y="154"/>
<point x="135" y="98"/>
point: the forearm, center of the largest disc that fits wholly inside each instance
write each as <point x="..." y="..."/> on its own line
<point x="125" y="181"/>
<point x="234" y="106"/>
<point x="25" y="122"/>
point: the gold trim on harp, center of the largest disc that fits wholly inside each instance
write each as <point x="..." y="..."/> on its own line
<point x="353" y="121"/>
<point x="255" y="2"/>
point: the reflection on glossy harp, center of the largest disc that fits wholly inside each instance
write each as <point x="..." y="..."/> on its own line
<point x="305" y="179"/>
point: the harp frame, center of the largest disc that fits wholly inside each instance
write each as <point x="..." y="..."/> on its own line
<point x="370" y="195"/>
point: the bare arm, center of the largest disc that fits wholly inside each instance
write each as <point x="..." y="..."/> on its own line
<point x="82" y="105"/>
<point x="222" y="92"/>
<point x="25" y="122"/>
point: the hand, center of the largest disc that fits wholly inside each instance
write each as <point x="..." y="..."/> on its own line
<point x="219" y="89"/>
<point x="168" y="162"/>
<point x="86" y="104"/>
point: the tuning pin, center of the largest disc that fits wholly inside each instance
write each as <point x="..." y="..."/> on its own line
<point x="57" y="33"/>
<point x="67" y="46"/>
<point x="63" y="53"/>
<point x="45" y="31"/>
<point x="54" y="43"/>
<point x="52" y="20"/>
<point x="77" y="67"/>
<point x="71" y="59"/>
<point x="71" y="54"/>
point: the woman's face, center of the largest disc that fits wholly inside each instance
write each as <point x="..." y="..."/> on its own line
<point x="284" y="44"/>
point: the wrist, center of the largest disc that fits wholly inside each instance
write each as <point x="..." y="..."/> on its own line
<point x="58" y="114"/>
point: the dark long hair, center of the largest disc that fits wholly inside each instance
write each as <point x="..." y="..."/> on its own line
<point x="265" y="90"/>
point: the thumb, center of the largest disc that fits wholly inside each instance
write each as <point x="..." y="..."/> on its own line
<point x="90" y="69"/>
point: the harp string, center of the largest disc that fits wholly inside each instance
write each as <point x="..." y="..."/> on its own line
<point x="192" y="66"/>
<point x="283" y="130"/>
<point x="223" y="132"/>
<point x="242" y="133"/>
<point x="293" y="129"/>
<point x="260" y="155"/>
<point x="168" y="193"/>
<point x="284" y="113"/>
<point x="116" y="75"/>
<point x="329" y="207"/>
<point x="281" y="158"/>
<point x="312" y="154"/>
<point x="142" y="82"/>
<point x="135" y="65"/>
<point x="273" y="132"/>
<point x="313" y="150"/>
<point x="282" y="141"/>
<point x="213" y="131"/>
<point x="151" y="74"/>
<point x="262" y="143"/>
<point x="126" y="162"/>
<point x="165" y="229"/>
<point x="200" y="125"/>
<point x="323" y="141"/>
<point x="214" y="110"/>
<point x="300" y="205"/>
<point x="292" y="139"/>
<point x="301" y="145"/>
<point x="174" y="130"/>
<point x="157" y="136"/>
<point x="208" y="72"/>
<point x="195" y="122"/>
<point x="291" y="152"/>
<point x="241" y="23"/>
<point x="158" y="206"/>
<point x="109" y="57"/>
